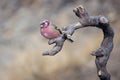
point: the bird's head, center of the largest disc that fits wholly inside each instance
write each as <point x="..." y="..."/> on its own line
<point x="44" y="24"/>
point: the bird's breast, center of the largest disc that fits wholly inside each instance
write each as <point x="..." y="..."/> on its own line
<point x="49" y="33"/>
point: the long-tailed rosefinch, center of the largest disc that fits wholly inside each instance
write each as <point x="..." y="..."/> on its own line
<point x="50" y="31"/>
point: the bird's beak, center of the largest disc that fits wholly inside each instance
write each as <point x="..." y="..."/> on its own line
<point x="41" y="25"/>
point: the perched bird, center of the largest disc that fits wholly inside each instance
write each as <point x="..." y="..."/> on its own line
<point x="49" y="30"/>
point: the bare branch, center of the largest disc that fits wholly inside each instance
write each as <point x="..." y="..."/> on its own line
<point x="58" y="45"/>
<point x="102" y="54"/>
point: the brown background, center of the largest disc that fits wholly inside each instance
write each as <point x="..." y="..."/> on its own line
<point x="21" y="45"/>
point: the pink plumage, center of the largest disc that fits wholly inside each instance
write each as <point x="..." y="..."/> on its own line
<point x="47" y="30"/>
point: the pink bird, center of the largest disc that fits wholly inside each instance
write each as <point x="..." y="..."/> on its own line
<point x="49" y="30"/>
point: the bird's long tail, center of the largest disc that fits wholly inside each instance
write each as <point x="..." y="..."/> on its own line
<point x="68" y="39"/>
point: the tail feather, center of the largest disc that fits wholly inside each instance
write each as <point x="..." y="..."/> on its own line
<point x="68" y="39"/>
<point x="57" y="28"/>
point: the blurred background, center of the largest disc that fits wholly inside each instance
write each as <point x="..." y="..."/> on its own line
<point x="21" y="44"/>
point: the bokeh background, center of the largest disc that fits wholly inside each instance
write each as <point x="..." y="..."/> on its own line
<point x="21" y="45"/>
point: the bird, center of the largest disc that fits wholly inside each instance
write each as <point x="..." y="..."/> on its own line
<point x="50" y="31"/>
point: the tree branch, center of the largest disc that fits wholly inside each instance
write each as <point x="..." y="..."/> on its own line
<point x="102" y="54"/>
